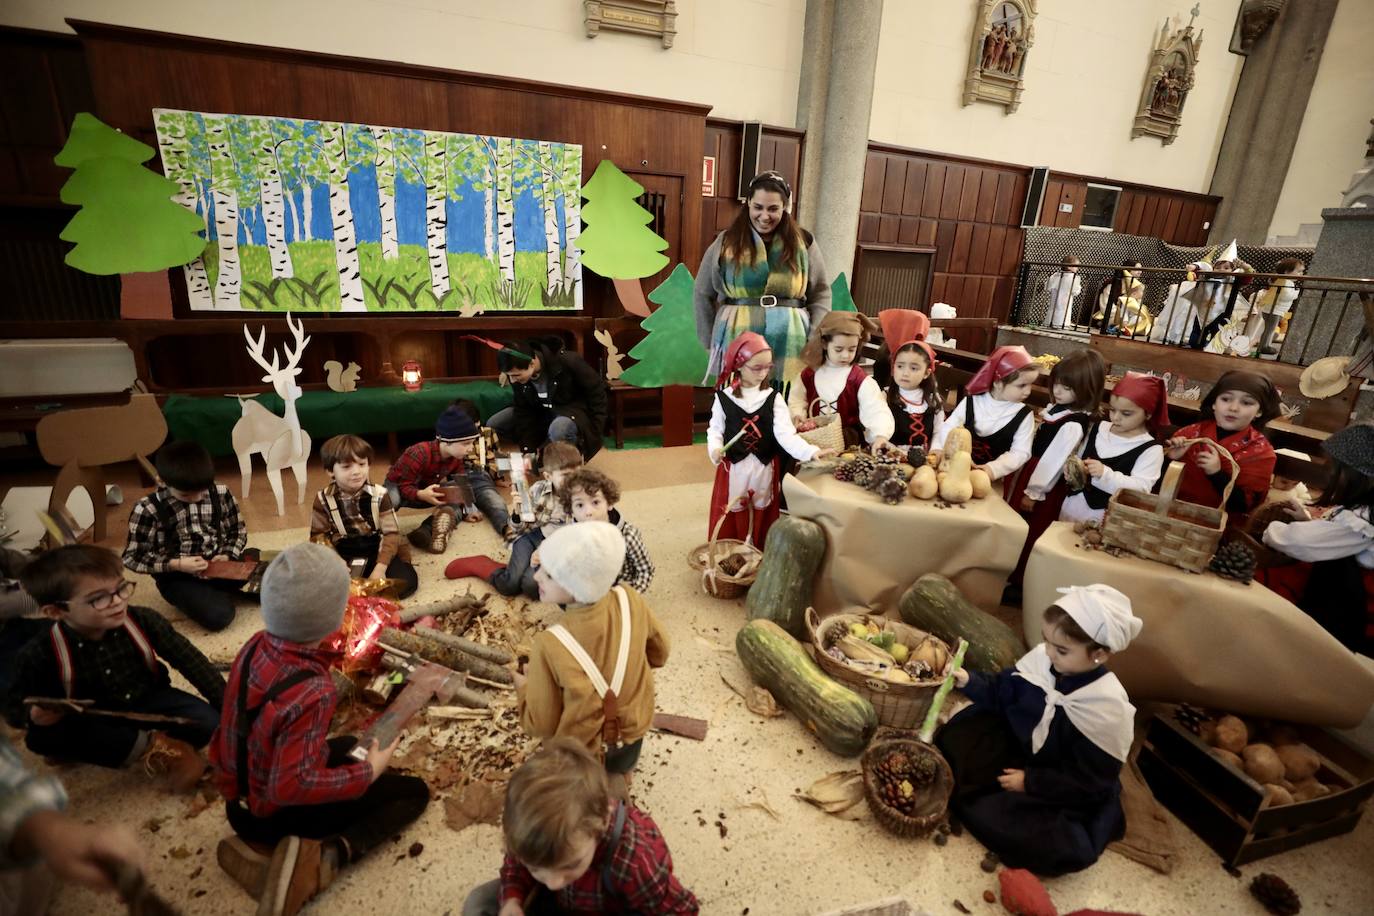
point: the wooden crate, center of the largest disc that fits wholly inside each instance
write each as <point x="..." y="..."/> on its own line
<point x="1226" y="808"/>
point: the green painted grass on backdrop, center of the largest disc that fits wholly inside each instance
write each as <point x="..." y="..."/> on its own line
<point x="399" y="284"/>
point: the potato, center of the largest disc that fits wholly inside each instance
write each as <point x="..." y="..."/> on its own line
<point x="1277" y="795"/>
<point x="1228" y="758"/>
<point x="1262" y="764"/>
<point x="1299" y="761"/>
<point x="1232" y="734"/>
<point x="982" y="483"/>
<point x="1309" y="789"/>
<point x="1279" y="735"/>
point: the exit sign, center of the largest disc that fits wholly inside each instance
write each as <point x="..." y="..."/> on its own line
<point x="708" y="176"/>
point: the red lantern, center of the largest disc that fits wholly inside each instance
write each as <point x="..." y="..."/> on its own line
<point x="412" y="378"/>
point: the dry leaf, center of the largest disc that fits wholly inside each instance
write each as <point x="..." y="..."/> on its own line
<point x="198" y="803"/>
<point x="734" y="676"/>
<point x="761" y="702"/>
<point x="840" y="793"/>
<point x="762" y="804"/>
<point x="477" y="802"/>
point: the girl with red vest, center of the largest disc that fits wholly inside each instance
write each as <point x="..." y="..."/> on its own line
<point x="833" y="382"/>
<point x="994" y="413"/>
<point x="1334" y="578"/>
<point x="906" y="369"/>
<point x="749" y="428"/>
<point x="1234" y="412"/>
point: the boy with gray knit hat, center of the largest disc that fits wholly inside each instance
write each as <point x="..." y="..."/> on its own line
<point x="590" y="677"/>
<point x="291" y="792"/>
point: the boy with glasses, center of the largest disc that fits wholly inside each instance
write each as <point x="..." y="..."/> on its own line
<point x="105" y="653"/>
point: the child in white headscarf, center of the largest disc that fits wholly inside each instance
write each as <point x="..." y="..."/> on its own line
<point x="1037" y="757"/>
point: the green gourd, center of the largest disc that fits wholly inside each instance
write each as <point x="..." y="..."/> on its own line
<point x="935" y="604"/>
<point x="787" y="575"/>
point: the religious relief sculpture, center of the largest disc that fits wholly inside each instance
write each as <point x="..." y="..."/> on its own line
<point x="1003" y="32"/>
<point x="1173" y="63"/>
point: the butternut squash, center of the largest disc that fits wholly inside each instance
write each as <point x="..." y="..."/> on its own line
<point x="956" y="486"/>
<point x="959" y="440"/>
<point x="982" y="483"/>
<point x="923" y="483"/>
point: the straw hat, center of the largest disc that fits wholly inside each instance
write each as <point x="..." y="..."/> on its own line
<point x="1325" y="378"/>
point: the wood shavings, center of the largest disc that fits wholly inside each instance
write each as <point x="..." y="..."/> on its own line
<point x="475" y="802"/>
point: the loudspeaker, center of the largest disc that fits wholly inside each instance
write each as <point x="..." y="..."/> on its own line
<point x="751" y="138"/>
<point x="1035" y="197"/>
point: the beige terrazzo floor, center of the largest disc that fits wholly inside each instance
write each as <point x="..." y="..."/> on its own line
<point x="801" y="862"/>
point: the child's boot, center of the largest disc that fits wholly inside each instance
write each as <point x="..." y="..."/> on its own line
<point x="300" y="869"/>
<point x="443" y="522"/>
<point x="175" y="762"/>
<point x="472" y="567"/>
<point x="422" y="534"/>
<point x="247" y="863"/>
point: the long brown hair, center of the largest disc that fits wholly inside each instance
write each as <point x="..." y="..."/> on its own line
<point x="1085" y="372"/>
<point x="738" y="243"/>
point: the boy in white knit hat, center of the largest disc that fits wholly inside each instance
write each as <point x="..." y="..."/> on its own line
<point x="290" y="791"/>
<point x="590" y="676"/>
<point x="1037" y="757"/>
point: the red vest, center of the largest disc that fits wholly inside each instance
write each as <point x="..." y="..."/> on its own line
<point x="847" y="405"/>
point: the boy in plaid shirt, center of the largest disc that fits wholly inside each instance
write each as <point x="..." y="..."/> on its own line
<point x="590" y="495"/>
<point x="516" y="576"/>
<point x="571" y="848"/>
<point x="106" y="651"/>
<point x="176" y="530"/>
<point x="288" y="788"/>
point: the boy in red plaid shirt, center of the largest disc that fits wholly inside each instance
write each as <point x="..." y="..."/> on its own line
<point x="290" y="791"/>
<point x="573" y="849"/>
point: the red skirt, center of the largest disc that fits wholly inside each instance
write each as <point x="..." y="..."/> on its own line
<point x="1332" y="600"/>
<point x="1014" y="484"/>
<point x="1045" y="513"/>
<point x="737" y="524"/>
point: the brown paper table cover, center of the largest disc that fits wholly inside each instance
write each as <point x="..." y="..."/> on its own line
<point x="1207" y="640"/>
<point x="875" y="551"/>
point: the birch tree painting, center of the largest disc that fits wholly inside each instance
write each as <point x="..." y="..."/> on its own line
<point x="326" y="216"/>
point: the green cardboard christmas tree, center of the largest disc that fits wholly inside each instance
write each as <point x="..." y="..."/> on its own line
<point x="128" y="222"/>
<point x="671" y="354"/>
<point x="617" y="241"/>
<point x="840" y="299"/>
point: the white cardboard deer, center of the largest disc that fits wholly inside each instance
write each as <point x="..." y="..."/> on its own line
<point x="280" y="440"/>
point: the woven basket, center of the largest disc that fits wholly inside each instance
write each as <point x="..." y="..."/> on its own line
<point x="829" y="433"/>
<point x="932" y="800"/>
<point x="706" y="558"/>
<point x="897" y="705"/>
<point x="1165" y="529"/>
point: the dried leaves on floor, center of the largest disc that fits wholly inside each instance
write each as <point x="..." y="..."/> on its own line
<point x="840" y="793"/>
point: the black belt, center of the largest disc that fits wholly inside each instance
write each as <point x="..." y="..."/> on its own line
<point x="768" y="302"/>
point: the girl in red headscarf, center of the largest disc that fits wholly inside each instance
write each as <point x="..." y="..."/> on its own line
<point x="906" y="369"/>
<point x="1234" y="412"/>
<point x="995" y="414"/>
<point x="749" y="427"/>
<point x="1122" y="453"/>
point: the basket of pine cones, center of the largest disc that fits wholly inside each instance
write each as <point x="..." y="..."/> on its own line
<point x="907" y="784"/>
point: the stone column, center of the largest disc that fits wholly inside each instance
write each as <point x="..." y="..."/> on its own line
<point x="812" y="89"/>
<point x="1266" y="115"/>
<point x="848" y="102"/>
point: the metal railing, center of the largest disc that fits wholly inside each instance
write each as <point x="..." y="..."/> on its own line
<point x="1294" y="319"/>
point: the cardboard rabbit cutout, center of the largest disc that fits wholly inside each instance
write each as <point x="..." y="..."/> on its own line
<point x="280" y="440"/>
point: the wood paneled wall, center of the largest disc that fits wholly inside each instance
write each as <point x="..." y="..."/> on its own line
<point x="134" y="71"/>
<point x="43" y="85"/>
<point x="1177" y="217"/>
<point x="780" y="149"/>
<point x="968" y="210"/>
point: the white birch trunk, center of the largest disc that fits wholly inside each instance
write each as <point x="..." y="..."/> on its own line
<point x="436" y="219"/>
<point x="351" y="297"/>
<point x="572" y="229"/>
<point x="386" y="191"/>
<point x="197" y="279"/>
<point x="307" y="209"/>
<point x="488" y="216"/>
<point x="176" y="159"/>
<point x="293" y="212"/>
<point x="228" y="279"/>
<point x="505" y="210"/>
<point x="274" y="224"/>
<point x="553" y="279"/>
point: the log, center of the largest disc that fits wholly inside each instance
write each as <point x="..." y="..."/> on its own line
<point x="452" y="605"/>
<point x="457" y="712"/>
<point x="489" y="653"/>
<point x="443" y="654"/>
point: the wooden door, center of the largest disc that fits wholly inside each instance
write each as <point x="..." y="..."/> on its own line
<point x="662" y="197"/>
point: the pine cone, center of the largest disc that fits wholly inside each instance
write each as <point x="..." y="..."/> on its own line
<point x="1076" y="475"/>
<point x="1235" y="560"/>
<point x="1275" y="894"/>
<point x="916" y="456"/>
<point x="892" y="490"/>
<point x="844" y="471"/>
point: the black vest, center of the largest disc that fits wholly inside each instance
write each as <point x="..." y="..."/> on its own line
<point x="912" y="428"/>
<point x="1046" y="432"/>
<point x="986" y="448"/>
<point x="1123" y="464"/>
<point x="758" y="438"/>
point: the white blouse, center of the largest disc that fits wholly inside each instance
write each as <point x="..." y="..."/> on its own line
<point x="830" y="381"/>
<point x="750" y="400"/>
<point x="1148" y="465"/>
<point x="990" y="415"/>
<point x="915" y="403"/>
<point x="1050" y="467"/>
<point x="1345" y="533"/>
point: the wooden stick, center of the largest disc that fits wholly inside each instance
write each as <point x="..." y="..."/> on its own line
<point x="85" y="707"/>
<point x="457" y="712"/>
<point x="457" y="691"/>
<point x="489" y="653"/>
<point x="464" y="602"/>
<point x="449" y="656"/>
<point x="473" y="679"/>
<point x="685" y="726"/>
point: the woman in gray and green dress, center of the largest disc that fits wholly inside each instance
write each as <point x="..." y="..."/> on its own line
<point x="764" y="274"/>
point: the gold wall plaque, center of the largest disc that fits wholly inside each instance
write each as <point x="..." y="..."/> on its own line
<point x="642" y="17"/>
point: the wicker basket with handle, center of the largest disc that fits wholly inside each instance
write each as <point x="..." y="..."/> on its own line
<point x="1163" y="528"/>
<point x="829" y="432"/>
<point x="706" y="558"/>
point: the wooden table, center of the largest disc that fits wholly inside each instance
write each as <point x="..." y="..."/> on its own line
<point x="875" y="551"/>
<point x="1208" y="640"/>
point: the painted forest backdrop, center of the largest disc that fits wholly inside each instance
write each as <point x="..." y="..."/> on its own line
<point x="319" y="215"/>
